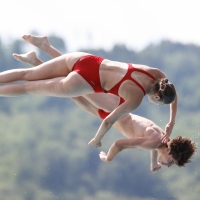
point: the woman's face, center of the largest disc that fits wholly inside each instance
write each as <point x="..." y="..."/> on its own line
<point x="155" y="99"/>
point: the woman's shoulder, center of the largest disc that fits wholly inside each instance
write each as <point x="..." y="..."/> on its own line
<point x="159" y="74"/>
<point x="156" y="72"/>
<point x="111" y="63"/>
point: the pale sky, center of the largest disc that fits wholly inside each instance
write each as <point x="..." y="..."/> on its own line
<point x="103" y="23"/>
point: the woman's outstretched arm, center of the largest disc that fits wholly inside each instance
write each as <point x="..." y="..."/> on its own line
<point x="127" y="107"/>
<point x="170" y="125"/>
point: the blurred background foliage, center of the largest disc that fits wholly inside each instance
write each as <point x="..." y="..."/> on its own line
<point x="43" y="146"/>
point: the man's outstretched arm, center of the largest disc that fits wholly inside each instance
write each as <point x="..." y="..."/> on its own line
<point x="112" y="152"/>
<point x="154" y="163"/>
<point x="120" y="145"/>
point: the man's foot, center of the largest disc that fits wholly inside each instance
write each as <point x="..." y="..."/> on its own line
<point x="39" y="41"/>
<point x="29" y="58"/>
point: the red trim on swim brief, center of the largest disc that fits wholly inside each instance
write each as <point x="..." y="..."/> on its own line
<point x="102" y="114"/>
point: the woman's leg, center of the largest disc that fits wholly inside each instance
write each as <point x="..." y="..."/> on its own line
<point x="90" y="103"/>
<point x="71" y="86"/>
<point x="29" y="58"/>
<point x="57" y="67"/>
<point x="42" y="43"/>
<point x="41" y="72"/>
<point x="107" y="102"/>
<point x="52" y="78"/>
<point x="54" y="68"/>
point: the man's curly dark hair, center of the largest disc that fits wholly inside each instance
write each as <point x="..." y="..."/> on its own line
<point x="182" y="149"/>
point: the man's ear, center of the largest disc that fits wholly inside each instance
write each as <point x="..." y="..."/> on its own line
<point x="168" y="149"/>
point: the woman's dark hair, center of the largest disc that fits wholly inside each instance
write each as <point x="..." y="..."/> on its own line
<point x="165" y="90"/>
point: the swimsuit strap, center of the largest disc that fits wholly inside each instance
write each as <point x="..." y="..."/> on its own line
<point x="142" y="71"/>
<point x="132" y="69"/>
<point x="127" y="76"/>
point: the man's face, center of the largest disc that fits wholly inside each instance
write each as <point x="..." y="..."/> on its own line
<point x="165" y="159"/>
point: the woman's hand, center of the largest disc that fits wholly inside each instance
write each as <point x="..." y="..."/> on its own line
<point x="95" y="143"/>
<point x="165" y="138"/>
<point x="168" y="131"/>
<point x="169" y="127"/>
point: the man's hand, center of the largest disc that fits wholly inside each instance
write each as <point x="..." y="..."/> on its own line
<point x="155" y="167"/>
<point x="95" y="143"/>
<point x="103" y="156"/>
